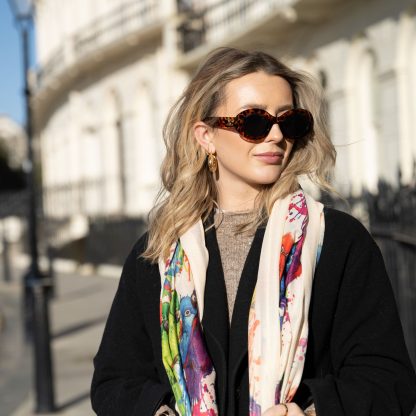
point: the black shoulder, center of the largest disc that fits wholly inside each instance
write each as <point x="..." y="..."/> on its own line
<point x="340" y="226"/>
<point x="343" y="221"/>
<point x="134" y="256"/>
<point x="135" y="267"/>
<point x="141" y="244"/>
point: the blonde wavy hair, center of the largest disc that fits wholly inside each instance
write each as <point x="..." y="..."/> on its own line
<point x="188" y="192"/>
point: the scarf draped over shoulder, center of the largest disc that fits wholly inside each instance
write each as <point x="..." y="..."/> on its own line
<point x="280" y="305"/>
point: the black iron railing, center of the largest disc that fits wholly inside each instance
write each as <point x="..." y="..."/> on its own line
<point x="201" y="24"/>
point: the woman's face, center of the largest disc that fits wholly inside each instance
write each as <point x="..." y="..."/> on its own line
<point x="241" y="162"/>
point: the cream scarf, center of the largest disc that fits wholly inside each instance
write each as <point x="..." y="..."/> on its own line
<point x="278" y="318"/>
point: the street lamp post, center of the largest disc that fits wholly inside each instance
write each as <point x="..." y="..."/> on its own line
<point x="36" y="286"/>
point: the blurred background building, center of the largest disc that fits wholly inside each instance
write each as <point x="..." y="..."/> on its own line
<point x="106" y="80"/>
<point x="110" y="70"/>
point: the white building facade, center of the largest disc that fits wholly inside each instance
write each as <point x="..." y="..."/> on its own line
<point x="110" y="70"/>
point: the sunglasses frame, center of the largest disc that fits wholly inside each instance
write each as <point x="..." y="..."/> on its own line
<point x="237" y="122"/>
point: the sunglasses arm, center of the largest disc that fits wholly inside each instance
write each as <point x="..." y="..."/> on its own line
<point x="222" y="121"/>
<point x="228" y="121"/>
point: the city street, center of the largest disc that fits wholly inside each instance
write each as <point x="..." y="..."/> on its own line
<point x="78" y="314"/>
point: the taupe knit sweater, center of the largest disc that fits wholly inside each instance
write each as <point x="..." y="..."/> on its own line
<point x="233" y="250"/>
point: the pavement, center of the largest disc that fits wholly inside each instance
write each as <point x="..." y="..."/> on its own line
<point x="78" y="313"/>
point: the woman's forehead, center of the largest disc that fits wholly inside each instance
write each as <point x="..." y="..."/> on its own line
<point x="257" y="89"/>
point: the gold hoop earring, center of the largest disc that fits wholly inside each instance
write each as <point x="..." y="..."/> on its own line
<point x="212" y="162"/>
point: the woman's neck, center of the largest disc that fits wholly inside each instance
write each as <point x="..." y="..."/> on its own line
<point x="236" y="198"/>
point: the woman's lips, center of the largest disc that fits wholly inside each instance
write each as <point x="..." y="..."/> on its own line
<point x="271" y="157"/>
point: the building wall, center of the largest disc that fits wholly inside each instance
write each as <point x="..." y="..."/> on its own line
<point x="101" y="138"/>
<point x="367" y="65"/>
<point x="360" y="54"/>
<point x="112" y="132"/>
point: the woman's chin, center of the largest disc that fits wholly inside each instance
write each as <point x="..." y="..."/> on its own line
<point x="267" y="178"/>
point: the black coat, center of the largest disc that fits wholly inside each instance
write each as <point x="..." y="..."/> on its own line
<point x="356" y="362"/>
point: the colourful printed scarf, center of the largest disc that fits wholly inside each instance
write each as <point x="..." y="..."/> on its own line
<point x="280" y="306"/>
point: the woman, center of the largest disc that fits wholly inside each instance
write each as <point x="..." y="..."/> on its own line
<point x="246" y="296"/>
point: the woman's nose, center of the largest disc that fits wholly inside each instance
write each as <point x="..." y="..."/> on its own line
<point x="275" y="134"/>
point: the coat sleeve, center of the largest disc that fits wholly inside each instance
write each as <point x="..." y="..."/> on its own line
<point x="125" y="381"/>
<point x="372" y="373"/>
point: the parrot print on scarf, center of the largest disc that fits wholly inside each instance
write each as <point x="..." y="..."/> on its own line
<point x="186" y="360"/>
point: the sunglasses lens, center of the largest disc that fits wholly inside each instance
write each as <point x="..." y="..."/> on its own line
<point x="255" y="126"/>
<point x="297" y="124"/>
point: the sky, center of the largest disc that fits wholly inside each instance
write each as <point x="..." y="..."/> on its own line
<point x="11" y="71"/>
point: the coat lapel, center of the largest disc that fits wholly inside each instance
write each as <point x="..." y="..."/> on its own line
<point x="215" y="319"/>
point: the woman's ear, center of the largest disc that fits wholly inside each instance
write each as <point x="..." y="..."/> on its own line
<point x="204" y="135"/>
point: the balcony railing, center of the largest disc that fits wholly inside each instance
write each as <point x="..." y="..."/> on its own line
<point x="52" y="65"/>
<point x="83" y="197"/>
<point x="217" y="21"/>
<point x="126" y="19"/>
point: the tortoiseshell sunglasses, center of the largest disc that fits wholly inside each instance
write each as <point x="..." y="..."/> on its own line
<point x="254" y="124"/>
